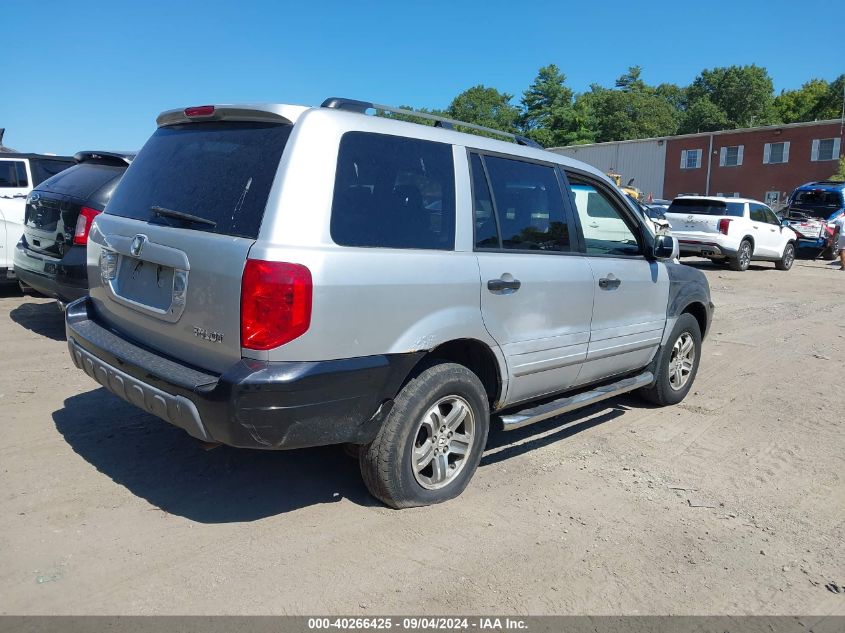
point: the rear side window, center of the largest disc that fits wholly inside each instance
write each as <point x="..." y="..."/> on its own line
<point x="696" y="206"/>
<point x="757" y="213"/>
<point x="44" y="168"/>
<point x="12" y="174"/>
<point x="220" y="171"/>
<point x="393" y="192"/>
<point x="528" y="204"/>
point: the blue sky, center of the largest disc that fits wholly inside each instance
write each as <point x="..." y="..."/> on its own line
<point x="94" y="74"/>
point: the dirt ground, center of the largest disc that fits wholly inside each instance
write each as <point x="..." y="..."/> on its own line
<point x="732" y="502"/>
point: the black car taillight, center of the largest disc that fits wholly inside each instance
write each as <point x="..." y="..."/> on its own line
<point x="83" y="225"/>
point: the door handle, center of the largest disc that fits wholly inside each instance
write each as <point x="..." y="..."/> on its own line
<point x="500" y="285"/>
<point x="609" y="283"/>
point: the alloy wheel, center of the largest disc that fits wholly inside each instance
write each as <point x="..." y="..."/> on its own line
<point x="442" y="442"/>
<point x="681" y="361"/>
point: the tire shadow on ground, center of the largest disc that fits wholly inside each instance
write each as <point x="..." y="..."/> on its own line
<point x="172" y="471"/>
<point x="44" y="319"/>
<point x="502" y="445"/>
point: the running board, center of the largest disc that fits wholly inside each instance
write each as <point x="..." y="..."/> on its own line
<point x="570" y="403"/>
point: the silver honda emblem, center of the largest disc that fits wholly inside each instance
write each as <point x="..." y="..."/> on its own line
<point x="137" y="245"/>
<point x="689" y="219"/>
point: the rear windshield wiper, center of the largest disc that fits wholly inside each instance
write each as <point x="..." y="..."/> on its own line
<point x="179" y="215"/>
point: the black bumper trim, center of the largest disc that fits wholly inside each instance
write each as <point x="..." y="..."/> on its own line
<point x="66" y="280"/>
<point x="253" y="404"/>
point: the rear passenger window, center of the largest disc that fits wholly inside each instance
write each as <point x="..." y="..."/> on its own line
<point x="528" y="204"/>
<point x="393" y="192"/>
<point x="757" y="212"/>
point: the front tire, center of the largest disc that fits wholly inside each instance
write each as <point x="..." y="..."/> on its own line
<point x="429" y="446"/>
<point x="788" y="258"/>
<point x="677" y="363"/>
<point x="743" y="256"/>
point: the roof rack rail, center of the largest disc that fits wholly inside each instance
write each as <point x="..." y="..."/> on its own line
<point x="361" y="107"/>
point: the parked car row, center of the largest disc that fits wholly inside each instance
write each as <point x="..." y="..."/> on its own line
<point x="19" y="174"/>
<point x="50" y="256"/>
<point x="737" y="231"/>
<point x="278" y="277"/>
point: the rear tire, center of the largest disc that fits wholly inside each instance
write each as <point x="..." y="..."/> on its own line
<point x="788" y="258"/>
<point x="830" y="254"/>
<point x="429" y="446"/>
<point x="677" y="363"/>
<point x="743" y="256"/>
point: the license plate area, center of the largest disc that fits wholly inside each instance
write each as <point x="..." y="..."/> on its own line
<point x="145" y="282"/>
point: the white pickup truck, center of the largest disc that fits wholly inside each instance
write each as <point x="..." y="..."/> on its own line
<point x="735" y="231"/>
<point x="19" y="174"/>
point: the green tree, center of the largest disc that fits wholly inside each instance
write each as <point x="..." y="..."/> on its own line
<point x="630" y="81"/>
<point x="830" y="105"/>
<point x="744" y="93"/>
<point x="703" y="116"/>
<point x="633" y="110"/>
<point x="840" y="175"/>
<point x="485" y="106"/>
<point x="548" y="115"/>
<point x="802" y="104"/>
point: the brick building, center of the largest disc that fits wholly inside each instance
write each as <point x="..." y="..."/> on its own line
<point x="765" y="163"/>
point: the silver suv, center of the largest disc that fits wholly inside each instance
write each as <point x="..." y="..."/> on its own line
<point x="279" y="277"/>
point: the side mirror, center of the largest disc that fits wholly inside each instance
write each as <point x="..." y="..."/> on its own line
<point x="666" y="247"/>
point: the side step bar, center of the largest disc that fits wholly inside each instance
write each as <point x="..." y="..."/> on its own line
<point x="557" y="407"/>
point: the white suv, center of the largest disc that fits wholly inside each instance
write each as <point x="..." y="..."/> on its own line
<point x="735" y="231"/>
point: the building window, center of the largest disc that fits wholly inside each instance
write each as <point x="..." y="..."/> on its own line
<point x="775" y="153"/>
<point x="690" y="158"/>
<point x="731" y="156"/>
<point x="825" y="149"/>
<point x="772" y="198"/>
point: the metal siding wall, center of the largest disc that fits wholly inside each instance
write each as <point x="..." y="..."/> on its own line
<point x="643" y="161"/>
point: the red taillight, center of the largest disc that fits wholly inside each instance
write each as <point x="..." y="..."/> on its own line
<point x="275" y="303"/>
<point x="724" y="225"/>
<point x="83" y="225"/>
<point x="199" y="111"/>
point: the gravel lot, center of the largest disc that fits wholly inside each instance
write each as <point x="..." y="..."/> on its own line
<point x="732" y="502"/>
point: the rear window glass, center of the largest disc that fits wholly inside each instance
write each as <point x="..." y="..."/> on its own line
<point x="832" y="199"/>
<point x="81" y="181"/>
<point x="220" y="171"/>
<point x="393" y="192"/>
<point x="44" y="168"/>
<point x="695" y="206"/>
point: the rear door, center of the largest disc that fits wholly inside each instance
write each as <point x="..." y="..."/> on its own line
<point x="764" y="229"/>
<point x="631" y="292"/>
<point x="536" y="289"/>
<point x="177" y="231"/>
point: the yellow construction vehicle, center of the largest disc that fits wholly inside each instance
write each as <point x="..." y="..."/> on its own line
<point x="629" y="188"/>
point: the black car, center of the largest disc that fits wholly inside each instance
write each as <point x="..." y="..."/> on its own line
<point x="50" y="256"/>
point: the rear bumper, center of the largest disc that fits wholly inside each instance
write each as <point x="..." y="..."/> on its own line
<point x="704" y="249"/>
<point x="65" y="279"/>
<point x="253" y="404"/>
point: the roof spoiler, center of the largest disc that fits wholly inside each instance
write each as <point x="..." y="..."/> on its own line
<point x="124" y="157"/>
<point x="361" y="107"/>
